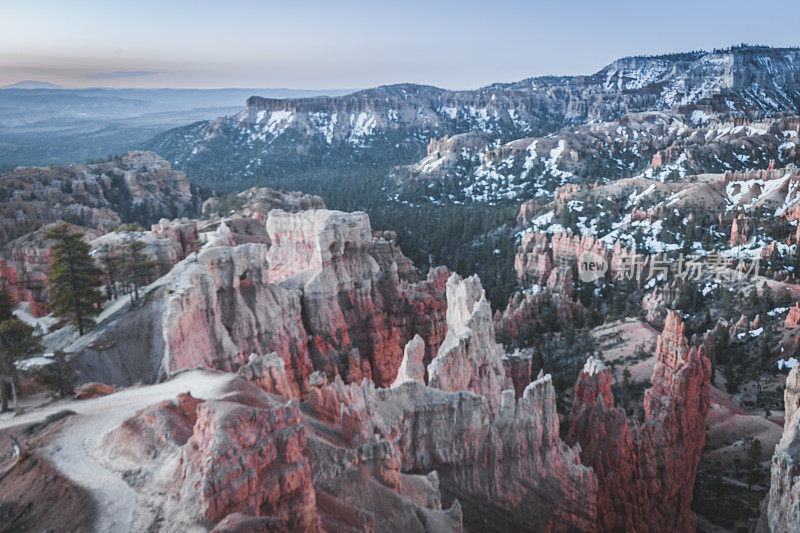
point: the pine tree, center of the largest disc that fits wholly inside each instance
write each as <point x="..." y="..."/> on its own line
<point x="73" y="279"/>
<point x="137" y="265"/>
<point x="111" y="266"/>
<point x="6" y="304"/>
<point x="58" y="376"/>
<point x="17" y="341"/>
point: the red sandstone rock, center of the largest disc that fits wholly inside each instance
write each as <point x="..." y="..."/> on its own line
<point x="524" y="313"/>
<point x="240" y="523"/>
<point x="793" y="317"/>
<point x="741" y="230"/>
<point x="560" y="281"/>
<point x="741" y="326"/>
<point x="155" y="430"/>
<point x="527" y="212"/>
<point x="646" y="473"/>
<point x="24" y="263"/>
<point x="325" y="295"/>
<point x="532" y="262"/>
<point x="268" y="372"/>
<point x="512" y="468"/>
<point x="519" y="370"/>
<point x="93" y="390"/>
<point x="248" y="460"/>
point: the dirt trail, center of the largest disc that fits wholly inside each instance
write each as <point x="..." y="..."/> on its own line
<point x="72" y="452"/>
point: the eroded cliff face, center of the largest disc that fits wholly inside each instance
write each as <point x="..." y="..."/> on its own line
<point x="24" y="261"/>
<point x="508" y="470"/>
<point x="220" y="474"/>
<point x="342" y="418"/>
<point x="646" y="472"/>
<point x="553" y="260"/>
<point x="137" y="186"/>
<point x="245" y="460"/>
<point x="781" y="508"/>
<point x="325" y="295"/>
<point x="358" y="457"/>
<point x="469" y="358"/>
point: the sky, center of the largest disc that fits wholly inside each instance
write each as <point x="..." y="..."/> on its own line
<point x="348" y="44"/>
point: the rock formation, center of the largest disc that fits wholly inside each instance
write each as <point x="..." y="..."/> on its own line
<point x="153" y="431"/>
<point x="646" y="472"/>
<point x="560" y="281"/>
<point x="552" y="260"/>
<point x="93" y="390"/>
<point x="137" y="186"/>
<point x="256" y="202"/>
<point x="248" y="459"/>
<point x="469" y="358"/>
<point x="519" y="369"/>
<point x="741" y="230"/>
<point x="324" y="295"/>
<point x="657" y="303"/>
<point x="781" y="508"/>
<point x="509" y="471"/>
<point x="412" y="367"/>
<point x="532" y="262"/>
<point x="527" y="312"/>
<point x="793" y="317"/>
<point x="24" y="263"/>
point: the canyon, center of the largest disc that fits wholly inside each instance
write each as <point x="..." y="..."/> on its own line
<point x="288" y="349"/>
<point x="568" y="340"/>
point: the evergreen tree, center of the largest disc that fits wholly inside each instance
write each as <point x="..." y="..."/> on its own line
<point x="6" y="305"/>
<point x="58" y="375"/>
<point x="17" y="341"/>
<point x="111" y="266"/>
<point x="73" y="279"/>
<point x="137" y="265"/>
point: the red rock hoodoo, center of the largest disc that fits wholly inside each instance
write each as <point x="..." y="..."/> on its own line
<point x="646" y="472"/>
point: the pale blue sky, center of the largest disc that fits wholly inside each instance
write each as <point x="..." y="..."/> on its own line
<point x="315" y="44"/>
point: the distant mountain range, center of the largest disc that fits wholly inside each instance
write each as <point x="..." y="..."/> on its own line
<point x="32" y="84"/>
<point x="53" y="125"/>
<point x="272" y="139"/>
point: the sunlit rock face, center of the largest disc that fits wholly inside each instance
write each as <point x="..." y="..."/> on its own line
<point x="781" y="508"/>
<point x="326" y="295"/>
<point x="646" y="472"/>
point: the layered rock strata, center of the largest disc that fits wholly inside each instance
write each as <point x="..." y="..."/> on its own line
<point x="469" y="358"/>
<point x="646" y="472"/>
<point x="324" y="295"/>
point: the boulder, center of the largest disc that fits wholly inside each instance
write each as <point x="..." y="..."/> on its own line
<point x="93" y="390"/>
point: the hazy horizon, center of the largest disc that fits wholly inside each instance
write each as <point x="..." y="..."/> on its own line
<point x="314" y="45"/>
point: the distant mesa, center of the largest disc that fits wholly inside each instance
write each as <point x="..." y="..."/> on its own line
<point x="32" y="84"/>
